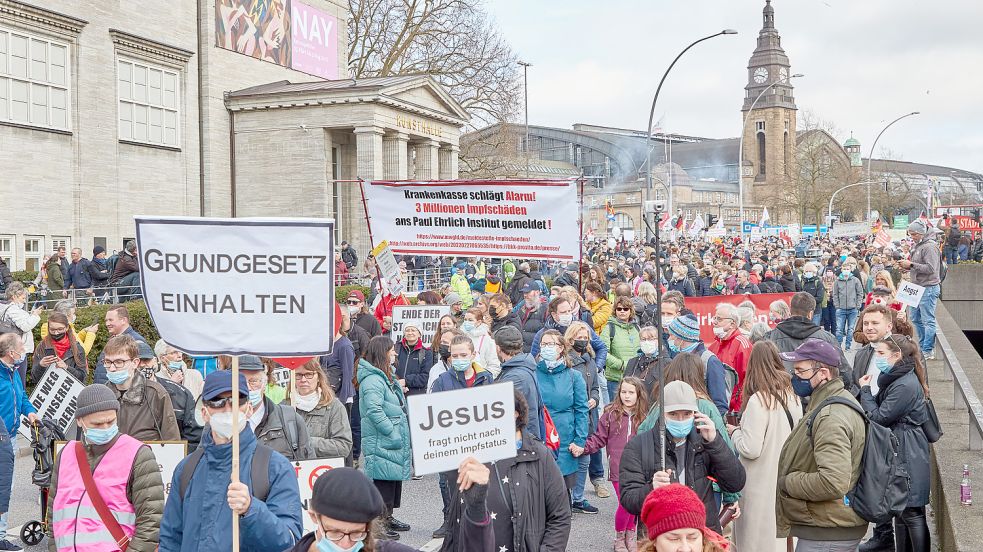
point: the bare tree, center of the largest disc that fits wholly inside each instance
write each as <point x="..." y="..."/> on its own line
<point x="490" y="153"/>
<point x="453" y="41"/>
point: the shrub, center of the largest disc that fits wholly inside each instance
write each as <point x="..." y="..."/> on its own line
<point x="24" y="276"/>
<point x="341" y="292"/>
<point x="96" y="314"/>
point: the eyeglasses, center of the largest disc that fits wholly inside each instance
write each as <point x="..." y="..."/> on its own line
<point x="623" y="309"/>
<point x="255" y="381"/>
<point x="716" y="319"/>
<point x="221" y="402"/>
<point x="334" y="535"/>
<point x="118" y="364"/>
<point x="353" y="303"/>
<point x="307" y="376"/>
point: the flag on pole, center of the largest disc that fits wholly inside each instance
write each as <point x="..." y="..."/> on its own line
<point x="664" y="221"/>
<point x="680" y="221"/>
<point x="697" y="225"/>
<point x="765" y="217"/>
<point x="877" y="226"/>
<point x="720" y="223"/>
<point x="609" y="208"/>
<point x="882" y="239"/>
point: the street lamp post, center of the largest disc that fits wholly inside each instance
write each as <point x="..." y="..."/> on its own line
<point x="871" y="156"/>
<point x="829" y="215"/>
<point x="648" y="129"/>
<point x="525" y="97"/>
<point x="740" y="147"/>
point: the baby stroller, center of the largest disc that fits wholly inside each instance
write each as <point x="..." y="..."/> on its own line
<point x="43" y="437"/>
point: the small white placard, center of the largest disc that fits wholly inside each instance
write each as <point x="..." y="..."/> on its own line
<point x="307" y="473"/>
<point x="910" y="294"/>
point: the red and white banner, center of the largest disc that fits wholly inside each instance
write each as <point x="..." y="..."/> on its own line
<point x="534" y="219"/>
<point x="705" y="308"/>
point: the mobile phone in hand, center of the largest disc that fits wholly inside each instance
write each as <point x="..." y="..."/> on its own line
<point x="726" y="516"/>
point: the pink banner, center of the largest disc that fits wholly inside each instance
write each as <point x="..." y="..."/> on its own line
<point x="314" y="35"/>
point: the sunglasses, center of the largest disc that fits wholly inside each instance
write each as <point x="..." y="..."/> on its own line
<point x="622" y="309"/>
<point x="354" y="302"/>
<point x="221" y="402"/>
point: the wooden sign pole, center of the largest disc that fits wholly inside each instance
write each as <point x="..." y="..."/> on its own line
<point x="293" y="387"/>
<point x="235" y="445"/>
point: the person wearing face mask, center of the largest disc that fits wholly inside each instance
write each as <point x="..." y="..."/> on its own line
<point x="848" y="298"/>
<point x="579" y="358"/>
<point x="565" y="397"/>
<point x="646" y="364"/>
<point x="59" y="349"/>
<point x="502" y="313"/>
<point x="817" y="468"/>
<point x="14" y="403"/>
<point x="181" y="400"/>
<point x="813" y="285"/>
<point x="413" y="361"/>
<point x="173" y="368"/>
<point x="791" y="333"/>
<point x="684" y="337"/>
<point x="899" y="404"/>
<point x="145" y="411"/>
<point x="695" y="455"/>
<point x="385" y="428"/>
<point x="560" y="316"/>
<point x="277" y="426"/>
<point x="475" y="326"/>
<point x="326" y="418"/>
<point x="86" y="336"/>
<point x="124" y="471"/>
<point x="520" y="369"/>
<point x="203" y="498"/>
<point x="345" y="505"/>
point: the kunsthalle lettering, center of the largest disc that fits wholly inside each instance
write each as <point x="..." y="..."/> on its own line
<point x="447" y="427"/>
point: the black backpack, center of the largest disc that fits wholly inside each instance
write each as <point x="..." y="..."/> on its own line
<point x="881" y="492"/>
<point x="259" y="471"/>
<point x="649" y="316"/>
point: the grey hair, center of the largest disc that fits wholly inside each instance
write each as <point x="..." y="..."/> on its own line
<point x="730" y="311"/>
<point x="8" y="342"/>
<point x="15" y="289"/>
<point x="524" y="267"/>
<point x="745" y="316"/>
<point x="65" y="306"/>
<point x="780" y="308"/>
<point x="161" y="348"/>
<point x="758" y="331"/>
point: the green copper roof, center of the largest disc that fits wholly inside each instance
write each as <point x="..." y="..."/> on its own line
<point x="851" y="141"/>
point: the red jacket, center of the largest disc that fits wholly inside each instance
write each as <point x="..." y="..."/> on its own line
<point x="385" y="308"/>
<point x="734" y="350"/>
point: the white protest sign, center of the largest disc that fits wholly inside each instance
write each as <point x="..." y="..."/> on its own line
<point x="307" y="473"/>
<point x="239" y="286"/>
<point x="529" y="219"/>
<point x="54" y="397"/>
<point x="845" y="229"/>
<point x="424" y="317"/>
<point x="447" y="427"/>
<point x="167" y="453"/>
<point x="910" y="294"/>
<point x="388" y="268"/>
<point x="281" y="377"/>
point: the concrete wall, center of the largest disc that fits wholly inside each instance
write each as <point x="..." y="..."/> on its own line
<point x="962" y="297"/>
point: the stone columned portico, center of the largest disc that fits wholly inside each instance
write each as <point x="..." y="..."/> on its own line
<point x="297" y="146"/>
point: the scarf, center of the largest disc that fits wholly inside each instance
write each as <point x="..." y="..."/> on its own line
<point x="62" y="344"/>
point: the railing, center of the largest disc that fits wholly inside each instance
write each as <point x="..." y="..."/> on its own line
<point x="964" y="396"/>
<point x="109" y="295"/>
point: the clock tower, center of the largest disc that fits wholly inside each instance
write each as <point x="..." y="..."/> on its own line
<point x="769" y="135"/>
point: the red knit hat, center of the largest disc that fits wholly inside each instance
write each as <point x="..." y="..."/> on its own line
<point x="673" y="507"/>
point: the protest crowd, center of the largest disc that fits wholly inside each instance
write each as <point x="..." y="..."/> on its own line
<point x="755" y="441"/>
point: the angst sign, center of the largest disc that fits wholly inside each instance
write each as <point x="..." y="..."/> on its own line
<point x="307" y="473"/>
<point x="447" y="427"/>
<point x="910" y="294"/>
<point x="530" y="219"/>
<point x="168" y="454"/>
<point x="239" y="286"/>
<point x="424" y="317"/>
<point x="55" y="398"/>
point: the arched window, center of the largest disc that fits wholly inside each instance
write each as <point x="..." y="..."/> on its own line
<point x="623" y="221"/>
<point x="761" y="153"/>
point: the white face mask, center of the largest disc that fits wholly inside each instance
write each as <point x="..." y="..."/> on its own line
<point x="565" y="319"/>
<point x="720" y="332"/>
<point x="308" y="402"/>
<point x="221" y="423"/>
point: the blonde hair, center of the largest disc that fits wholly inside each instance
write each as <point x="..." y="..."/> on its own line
<point x="887" y="278"/>
<point x="572" y="330"/>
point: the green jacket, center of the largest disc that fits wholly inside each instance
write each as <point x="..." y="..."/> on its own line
<point x="508" y="270"/>
<point x="275" y="393"/>
<point x="385" y="428"/>
<point x="622" y="347"/>
<point x="710" y="409"/>
<point x="330" y="431"/>
<point x="460" y="286"/>
<point x="56" y="280"/>
<point x="814" y="475"/>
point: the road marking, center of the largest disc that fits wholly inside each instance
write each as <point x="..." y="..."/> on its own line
<point x="432" y="546"/>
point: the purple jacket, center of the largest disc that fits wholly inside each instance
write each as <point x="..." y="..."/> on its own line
<point x="613" y="434"/>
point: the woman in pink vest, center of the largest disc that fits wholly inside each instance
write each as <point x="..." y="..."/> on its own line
<point x="126" y="514"/>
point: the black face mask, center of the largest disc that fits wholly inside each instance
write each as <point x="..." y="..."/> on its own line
<point x="57" y="336"/>
<point x="580" y="345"/>
<point x="445" y="352"/>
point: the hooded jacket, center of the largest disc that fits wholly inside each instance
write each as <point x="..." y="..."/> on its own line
<point x="144" y="490"/>
<point x="514" y="290"/>
<point x="848" y="294"/>
<point x="201" y="520"/>
<point x="789" y="334"/>
<point x="385" y="428"/>
<point x="521" y="371"/>
<point x="770" y="285"/>
<point x="601" y="311"/>
<point x="612" y="434"/>
<point x="622" y="342"/>
<point x="925" y="260"/>
<point x="814" y="286"/>
<point x="510" y="319"/>
<point x="815" y="473"/>
<point x="413" y="364"/>
<point x="145" y="411"/>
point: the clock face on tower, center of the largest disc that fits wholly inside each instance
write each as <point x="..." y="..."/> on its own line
<point x="760" y="75"/>
<point x="783" y="73"/>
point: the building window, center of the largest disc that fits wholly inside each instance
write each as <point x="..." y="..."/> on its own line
<point x="33" y="80"/>
<point x="7" y="251"/>
<point x="761" y="153"/>
<point x="624" y="221"/>
<point x="32" y="252"/>
<point x="61" y="241"/>
<point x="786" y="151"/>
<point x="759" y="126"/>
<point x="148" y="104"/>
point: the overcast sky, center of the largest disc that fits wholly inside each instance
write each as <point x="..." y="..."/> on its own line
<point x="865" y="62"/>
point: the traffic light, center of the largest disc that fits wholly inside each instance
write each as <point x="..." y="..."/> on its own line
<point x="711" y="220"/>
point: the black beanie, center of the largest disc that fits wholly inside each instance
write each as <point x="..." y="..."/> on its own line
<point x="346" y="494"/>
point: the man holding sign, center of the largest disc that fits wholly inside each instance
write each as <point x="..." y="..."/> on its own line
<point x="199" y="510"/>
<point x="105" y="489"/>
<point x="925" y="266"/>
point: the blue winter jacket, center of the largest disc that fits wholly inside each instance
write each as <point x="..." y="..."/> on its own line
<point x="385" y="428"/>
<point x="201" y="520"/>
<point x="521" y="371"/>
<point x="14" y="402"/>
<point x="596" y="343"/>
<point x="6" y="467"/>
<point x="452" y="380"/>
<point x="565" y="397"/>
<point x="79" y="276"/>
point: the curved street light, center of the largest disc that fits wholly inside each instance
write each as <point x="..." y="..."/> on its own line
<point x="871" y="156"/>
<point x="740" y="147"/>
<point x="648" y="132"/>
